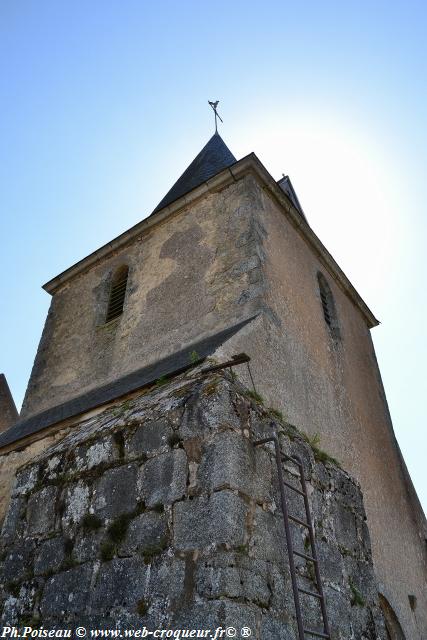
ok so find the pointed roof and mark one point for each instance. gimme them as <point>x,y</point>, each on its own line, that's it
<point>286,186</point>
<point>213,158</point>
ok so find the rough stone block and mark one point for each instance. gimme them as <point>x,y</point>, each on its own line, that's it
<point>231,461</point>
<point>50,556</point>
<point>330,561</point>
<point>67,592</point>
<point>18,562</point>
<point>120,583</point>
<point>116,492</point>
<point>22,605</point>
<point>53,467</point>
<point>209,412</point>
<point>26,480</point>
<point>202,521</point>
<point>345,529</point>
<point>217,613</point>
<point>145,532</point>
<point>268,537</point>
<point>41,511</point>
<point>100,452</point>
<point>282,599</point>
<point>274,628</point>
<point>87,546</point>
<point>168,579</point>
<point>164,478</point>
<point>232,582</point>
<point>76,499</point>
<point>148,438</point>
<point>13,524</point>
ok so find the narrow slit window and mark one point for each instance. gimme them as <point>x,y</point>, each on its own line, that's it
<point>117,293</point>
<point>328,305</point>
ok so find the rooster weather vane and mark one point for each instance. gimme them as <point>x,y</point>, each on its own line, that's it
<point>214,106</point>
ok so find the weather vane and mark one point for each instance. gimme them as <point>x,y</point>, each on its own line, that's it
<point>214,106</point>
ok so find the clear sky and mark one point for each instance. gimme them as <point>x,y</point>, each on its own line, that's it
<point>104,104</point>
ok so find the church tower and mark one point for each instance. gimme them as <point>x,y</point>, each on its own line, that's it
<point>227,263</point>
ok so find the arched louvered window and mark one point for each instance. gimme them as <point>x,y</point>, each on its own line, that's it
<point>328,305</point>
<point>117,293</point>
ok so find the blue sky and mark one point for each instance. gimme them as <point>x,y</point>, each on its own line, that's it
<point>103,104</point>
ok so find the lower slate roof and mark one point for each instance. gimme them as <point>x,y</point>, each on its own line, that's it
<point>174,364</point>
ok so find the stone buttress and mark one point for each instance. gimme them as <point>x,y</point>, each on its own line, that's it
<point>160,512</point>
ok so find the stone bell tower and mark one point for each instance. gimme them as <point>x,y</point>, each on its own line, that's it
<point>227,263</point>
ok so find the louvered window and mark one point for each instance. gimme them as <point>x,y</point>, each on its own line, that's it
<point>117,293</point>
<point>328,305</point>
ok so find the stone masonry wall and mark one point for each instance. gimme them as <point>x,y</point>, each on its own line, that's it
<point>197,274</point>
<point>161,513</point>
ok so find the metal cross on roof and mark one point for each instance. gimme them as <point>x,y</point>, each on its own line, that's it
<point>214,106</point>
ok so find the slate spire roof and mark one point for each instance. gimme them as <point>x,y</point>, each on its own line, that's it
<point>213,158</point>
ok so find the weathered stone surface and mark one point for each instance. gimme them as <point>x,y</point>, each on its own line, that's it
<point>100,452</point>
<point>148,438</point>
<point>268,540</point>
<point>67,592</point>
<point>211,412</point>
<point>18,561</point>
<point>345,529</point>
<point>120,583</point>
<point>26,480</point>
<point>76,500</point>
<point>232,462</point>
<point>164,478</point>
<point>41,511</point>
<point>116,492</point>
<point>183,537</point>
<point>273,628</point>
<point>149,531</point>
<point>233,582</point>
<point>19,608</point>
<point>217,613</point>
<point>202,521</point>
<point>13,524</point>
<point>53,468</point>
<point>50,556</point>
<point>169,580</point>
<point>87,545</point>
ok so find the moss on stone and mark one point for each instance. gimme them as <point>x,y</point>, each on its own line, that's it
<point>118,528</point>
<point>357,598</point>
<point>158,507</point>
<point>154,550</point>
<point>142,607</point>
<point>194,357</point>
<point>319,454</point>
<point>91,522</point>
<point>276,413</point>
<point>210,388</point>
<point>107,550</point>
<point>174,439</point>
<point>254,395</point>
<point>119,441</point>
<point>13,588</point>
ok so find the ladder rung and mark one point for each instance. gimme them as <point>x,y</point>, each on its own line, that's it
<point>298,521</point>
<point>286,458</point>
<point>294,488</point>
<point>310,593</point>
<point>318,634</point>
<point>305,556</point>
